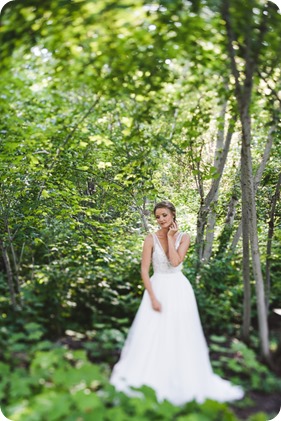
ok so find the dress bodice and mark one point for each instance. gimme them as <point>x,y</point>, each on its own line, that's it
<point>160,261</point>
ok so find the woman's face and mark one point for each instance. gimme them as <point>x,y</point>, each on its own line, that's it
<point>164,217</point>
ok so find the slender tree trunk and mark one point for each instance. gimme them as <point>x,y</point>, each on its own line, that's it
<point>246,323</point>
<point>21,253</point>
<point>209,199</point>
<point>257,180</point>
<point>229,220</point>
<point>143,213</point>
<point>144,221</point>
<point>9,274</point>
<point>243,94</point>
<point>210,230</point>
<point>236,237</point>
<point>228,226</point>
<point>211,219</point>
<point>199,242</point>
<point>269,240</point>
<point>251,209</point>
<point>227,231</point>
<point>201,223</point>
<point>14,258</point>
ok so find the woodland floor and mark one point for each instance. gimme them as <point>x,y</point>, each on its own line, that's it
<point>270,403</point>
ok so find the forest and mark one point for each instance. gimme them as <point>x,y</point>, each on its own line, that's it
<point>108,107</point>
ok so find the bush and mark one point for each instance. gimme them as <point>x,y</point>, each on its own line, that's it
<point>62,385</point>
<point>219,292</point>
<point>242,362</point>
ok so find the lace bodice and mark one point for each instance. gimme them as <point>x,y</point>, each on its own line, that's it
<point>160,261</point>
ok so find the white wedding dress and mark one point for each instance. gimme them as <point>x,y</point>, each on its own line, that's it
<point>167,350</point>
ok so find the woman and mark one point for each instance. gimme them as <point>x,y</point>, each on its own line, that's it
<point>166,348</point>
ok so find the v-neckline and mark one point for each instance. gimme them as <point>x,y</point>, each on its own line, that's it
<point>162,246</point>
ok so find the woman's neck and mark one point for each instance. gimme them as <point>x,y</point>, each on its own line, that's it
<point>164,231</point>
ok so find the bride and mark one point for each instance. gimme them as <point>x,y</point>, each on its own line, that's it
<point>165,347</point>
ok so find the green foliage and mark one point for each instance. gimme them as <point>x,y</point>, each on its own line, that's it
<point>218,285</point>
<point>260,416</point>
<point>107,107</point>
<point>243,364</point>
<point>63,385</point>
<point>20,341</point>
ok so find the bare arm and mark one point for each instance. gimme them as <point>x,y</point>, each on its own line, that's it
<point>145,265</point>
<point>177,256</point>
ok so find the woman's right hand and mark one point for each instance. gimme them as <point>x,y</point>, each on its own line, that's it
<point>156,305</point>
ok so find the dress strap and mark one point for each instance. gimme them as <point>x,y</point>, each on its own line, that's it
<point>154,236</point>
<point>156,240</point>
<point>178,240</point>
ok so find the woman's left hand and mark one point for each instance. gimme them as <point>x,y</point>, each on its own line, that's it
<point>173,229</point>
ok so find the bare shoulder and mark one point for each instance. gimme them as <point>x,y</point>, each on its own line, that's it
<point>148,239</point>
<point>148,244</point>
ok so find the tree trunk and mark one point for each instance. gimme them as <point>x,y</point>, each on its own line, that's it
<point>246,323</point>
<point>201,217</point>
<point>210,230</point>
<point>144,213</point>
<point>211,222</point>
<point>228,226</point>
<point>231,211</point>
<point>9,274</point>
<point>269,240</point>
<point>251,210</point>
<point>205,207</point>
<point>257,180</point>
<point>14,257</point>
<point>243,94</point>
<point>236,237</point>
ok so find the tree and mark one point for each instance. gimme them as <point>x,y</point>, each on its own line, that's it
<point>249,49</point>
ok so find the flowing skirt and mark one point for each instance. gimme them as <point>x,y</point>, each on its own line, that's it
<point>168,351</point>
